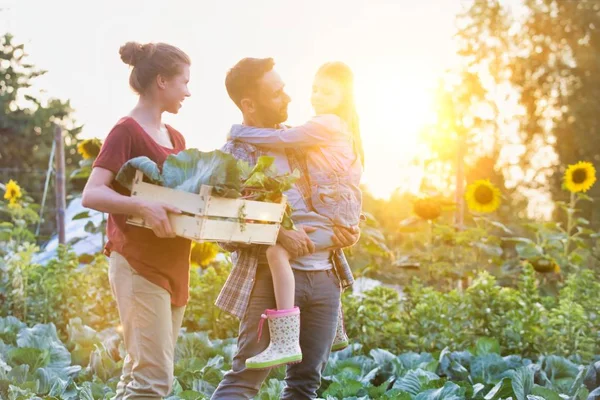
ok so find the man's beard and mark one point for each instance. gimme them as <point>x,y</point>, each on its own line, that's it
<point>271,117</point>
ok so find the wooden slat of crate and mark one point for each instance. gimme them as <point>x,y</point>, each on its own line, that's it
<point>188,202</point>
<point>258,210</point>
<point>182,225</point>
<point>232,231</point>
<point>218,230</point>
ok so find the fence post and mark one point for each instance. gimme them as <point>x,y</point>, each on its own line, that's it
<point>46,186</point>
<point>60,184</point>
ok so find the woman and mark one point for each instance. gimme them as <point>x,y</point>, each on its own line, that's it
<point>148,269</point>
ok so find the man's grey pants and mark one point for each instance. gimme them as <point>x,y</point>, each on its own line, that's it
<point>318,296</point>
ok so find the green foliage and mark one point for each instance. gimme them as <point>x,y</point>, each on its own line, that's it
<point>261,183</point>
<point>372,252</point>
<point>555,76</point>
<point>201,313</point>
<point>539,55</point>
<point>449,343</point>
<point>26,126</point>
<point>16,225</point>
<point>37,293</point>
<point>385,331</point>
<point>35,362</point>
<point>567,331</point>
<point>44,293</point>
<point>524,333</point>
<point>456,375</point>
<point>430,320</point>
<point>583,289</point>
<point>446,256</point>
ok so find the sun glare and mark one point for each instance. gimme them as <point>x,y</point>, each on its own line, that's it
<point>394,106</point>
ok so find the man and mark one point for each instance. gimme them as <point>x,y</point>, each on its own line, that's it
<point>258,91</point>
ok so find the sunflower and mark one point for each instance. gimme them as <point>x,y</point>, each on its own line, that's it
<point>204,253</point>
<point>89,148</point>
<point>544,265</point>
<point>482,196</point>
<point>427,208</point>
<point>13,192</point>
<point>580,177</point>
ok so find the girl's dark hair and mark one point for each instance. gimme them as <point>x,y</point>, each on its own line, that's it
<point>342,74</point>
<point>150,60</point>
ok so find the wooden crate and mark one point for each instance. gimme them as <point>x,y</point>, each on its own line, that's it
<point>204,216</point>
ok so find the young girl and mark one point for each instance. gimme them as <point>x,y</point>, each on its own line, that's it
<point>148,269</point>
<point>334,157</point>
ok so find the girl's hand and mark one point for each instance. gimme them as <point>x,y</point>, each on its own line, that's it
<point>345,237</point>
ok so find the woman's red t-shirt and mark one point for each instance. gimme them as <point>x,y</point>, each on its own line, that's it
<point>163,261</point>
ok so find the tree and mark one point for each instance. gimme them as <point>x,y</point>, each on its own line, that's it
<point>469,128</point>
<point>538,70</point>
<point>557,74</point>
<point>26,127</point>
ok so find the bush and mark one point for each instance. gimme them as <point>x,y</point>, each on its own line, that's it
<point>58,291</point>
<point>65,289</point>
<point>201,312</point>
<point>428,320</point>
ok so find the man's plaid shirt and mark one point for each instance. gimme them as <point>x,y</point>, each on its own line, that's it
<point>235,295</point>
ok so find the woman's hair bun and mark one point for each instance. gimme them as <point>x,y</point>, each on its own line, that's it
<point>132,52</point>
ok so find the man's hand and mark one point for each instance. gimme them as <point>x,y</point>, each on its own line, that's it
<point>345,237</point>
<point>156,216</point>
<point>297,243</point>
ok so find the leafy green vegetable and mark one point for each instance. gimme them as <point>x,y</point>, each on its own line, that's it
<point>39,367</point>
<point>190,169</point>
<point>9,327</point>
<point>450,391</point>
<point>487,346</point>
<point>126,174</point>
<point>44,337</point>
<point>522,383</point>
<point>501,390</point>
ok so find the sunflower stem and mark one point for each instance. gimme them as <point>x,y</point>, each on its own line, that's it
<point>25,298</point>
<point>430,224</point>
<point>570,214</point>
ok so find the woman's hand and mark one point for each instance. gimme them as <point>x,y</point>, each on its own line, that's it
<point>156,216</point>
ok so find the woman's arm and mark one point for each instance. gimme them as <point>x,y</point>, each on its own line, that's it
<point>98,195</point>
<point>320,130</point>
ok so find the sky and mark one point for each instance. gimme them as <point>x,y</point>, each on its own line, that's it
<point>398,49</point>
